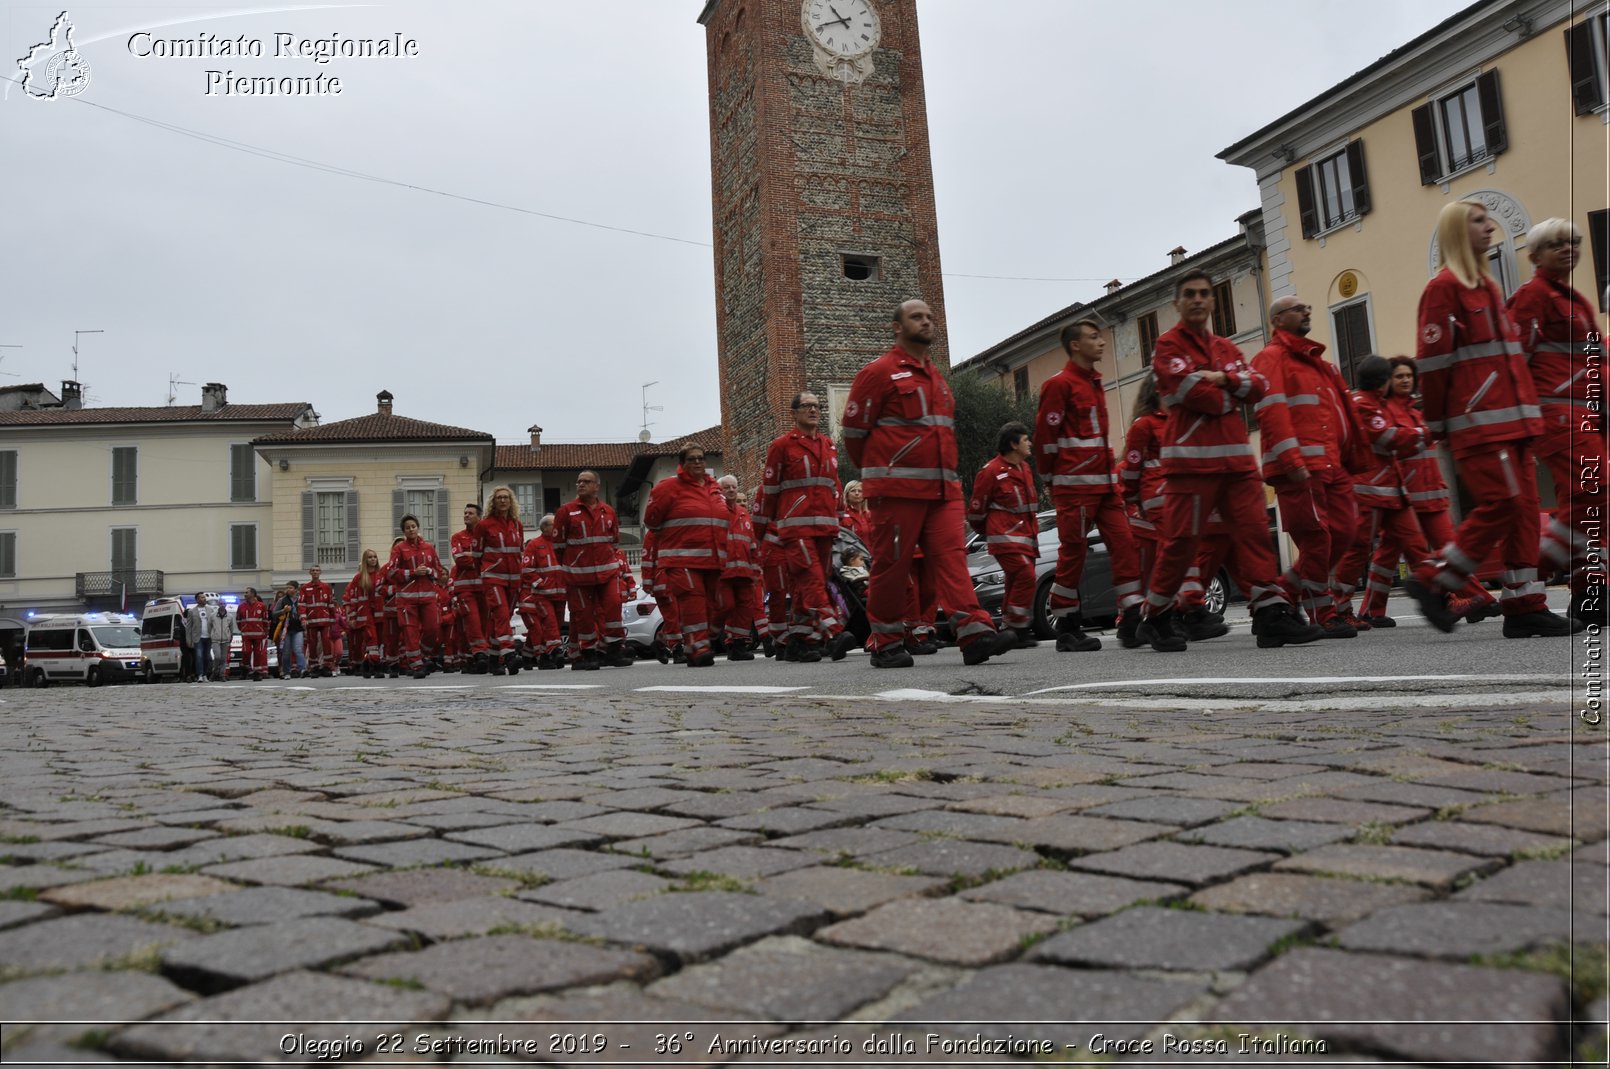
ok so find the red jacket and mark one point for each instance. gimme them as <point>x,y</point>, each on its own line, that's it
<point>408,557</point>
<point>465,546</point>
<point>585,539</point>
<point>1561,337</point>
<point>1070,435</point>
<point>1383,484</point>
<point>1205,434</point>
<point>743,555</point>
<point>799,493</point>
<point>1005,510</point>
<point>858,522</point>
<point>363,610</point>
<point>314,600</point>
<point>251,617</point>
<point>1143,468</point>
<point>1473,375</point>
<point>502,541</point>
<point>1422,471</point>
<point>1306,418</point>
<point>900,429</point>
<point>689,520</point>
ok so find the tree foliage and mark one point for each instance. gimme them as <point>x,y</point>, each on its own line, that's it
<point>982,409</point>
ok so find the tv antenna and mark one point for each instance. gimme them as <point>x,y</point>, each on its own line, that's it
<point>76,334</point>
<point>174,382</point>
<point>3,356</point>
<point>643,435</point>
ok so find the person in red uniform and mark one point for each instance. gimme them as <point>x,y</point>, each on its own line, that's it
<point>1311,443</point>
<point>538,568</point>
<point>855,516</point>
<point>467,589</point>
<point>251,617</point>
<point>798,502</point>
<point>688,516</point>
<point>1208,464</point>
<point>740,578</point>
<point>315,602</point>
<point>899,430</point>
<point>668,640</point>
<point>415,567</point>
<point>552,588</point>
<point>501,538</point>
<point>1142,474</point>
<point>586,532</point>
<point>1072,452</point>
<point>364,600</point>
<point>1479,398</point>
<point>1565,352</point>
<point>1005,509</point>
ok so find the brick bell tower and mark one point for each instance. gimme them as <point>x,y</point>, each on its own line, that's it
<point>823,202</point>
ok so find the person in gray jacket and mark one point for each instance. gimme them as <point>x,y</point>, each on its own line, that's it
<point>200,625</point>
<point>223,638</point>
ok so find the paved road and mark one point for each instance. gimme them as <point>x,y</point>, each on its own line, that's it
<point>899,881</point>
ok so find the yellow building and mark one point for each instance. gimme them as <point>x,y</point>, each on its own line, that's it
<point>102,507</point>
<point>344,487</point>
<point>1505,103</point>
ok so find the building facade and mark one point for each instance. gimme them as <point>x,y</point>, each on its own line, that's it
<point>1505,103</point>
<point>823,200</point>
<point>103,508</point>
<point>344,487</point>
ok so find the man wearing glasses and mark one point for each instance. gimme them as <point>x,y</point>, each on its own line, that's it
<point>586,533</point>
<point>798,504</point>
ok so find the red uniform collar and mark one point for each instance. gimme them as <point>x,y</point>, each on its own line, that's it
<point>1089,375</point>
<point>902,357</point>
<point>1298,345</point>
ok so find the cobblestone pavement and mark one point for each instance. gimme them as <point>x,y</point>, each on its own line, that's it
<point>236,875</point>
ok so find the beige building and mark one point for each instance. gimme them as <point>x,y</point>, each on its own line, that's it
<point>99,503</point>
<point>1134,316</point>
<point>1506,103</point>
<point>344,487</point>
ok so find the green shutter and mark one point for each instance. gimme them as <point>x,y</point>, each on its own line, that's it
<point>354,552</point>
<point>310,529</point>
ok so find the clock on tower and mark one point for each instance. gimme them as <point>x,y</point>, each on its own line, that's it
<point>823,202</point>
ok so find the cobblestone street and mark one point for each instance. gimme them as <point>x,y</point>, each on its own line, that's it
<point>418,875</point>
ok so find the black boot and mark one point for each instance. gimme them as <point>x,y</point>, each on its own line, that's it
<point>1279,625</point>
<point>1541,624</point>
<point>616,655</point>
<point>1128,623</point>
<point>1198,625</point>
<point>1071,637</point>
<point>1025,639</point>
<point>511,661</point>
<point>1159,631</point>
<point>842,644</point>
<point>768,647</point>
<point>739,651</point>
<point>984,647</point>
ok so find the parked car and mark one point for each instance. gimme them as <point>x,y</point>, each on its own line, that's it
<point>643,621</point>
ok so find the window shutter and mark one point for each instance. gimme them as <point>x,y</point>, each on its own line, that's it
<point>444,525</point>
<point>354,553</point>
<point>1425,145</point>
<point>8,479</point>
<point>399,505</point>
<point>1306,210</point>
<point>310,529</point>
<point>1492,113</point>
<point>1360,179</point>
<point>1585,95</point>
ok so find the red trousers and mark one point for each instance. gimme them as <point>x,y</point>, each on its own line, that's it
<point>1188,500</point>
<point>774,576</point>
<point>320,650</point>
<point>595,615</point>
<point>419,619</point>
<point>696,592</point>
<point>809,561</point>
<point>1321,516</point>
<point>498,610</point>
<point>1146,549</point>
<point>391,633</point>
<point>741,604</point>
<point>1383,536</point>
<point>670,619</point>
<point>1211,553</point>
<point>253,653</point>
<point>922,600</point>
<point>541,625</point>
<point>1503,480</point>
<point>899,526</point>
<point>1576,460</point>
<point>365,640</point>
<point>473,598</point>
<point>1019,600</point>
<point>1075,517</point>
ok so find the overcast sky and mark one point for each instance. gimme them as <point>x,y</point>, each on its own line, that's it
<point>1072,141</point>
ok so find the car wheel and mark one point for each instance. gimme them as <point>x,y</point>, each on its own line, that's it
<point>1216,595</point>
<point>92,675</point>
<point>1043,628</point>
<point>36,678</point>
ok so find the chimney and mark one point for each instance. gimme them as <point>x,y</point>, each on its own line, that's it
<point>383,402</point>
<point>536,436</point>
<point>214,396</point>
<point>72,394</point>
<point>1114,286</point>
<point>1176,255</point>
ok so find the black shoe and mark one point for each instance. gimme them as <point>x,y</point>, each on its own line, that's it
<point>739,651</point>
<point>586,661</point>
<point>1199,625</point>
<point>511,662</point>
<point>257,677</point>
<point>1025,639</point>
<point>1433,602</point>
<point>679,655</point>
<point>842,644</point>
<point>706,659</point>
<point>807,653</point>
<point>1159,631</point>
<point>984,647</point>
<point>1279,625</point>
<point>392,671</point>
<point>1379,622</point>
<point>1128,624</point>
<point>1336,627</point>
<point>768,647</point>
<point>550,661</point>
<point>922,647</point>
<point>481,664</point>
<point>498,669</point>
<point>662,652</point>
<point>1071,637</point>
<point>422,672</point>
<point>718,644</point>
<point>616,655</point>
<point>1541,624</point>
<point>892,657</point>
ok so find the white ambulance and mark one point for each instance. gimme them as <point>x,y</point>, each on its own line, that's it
<point>161,628</point>
<point>92,648</point>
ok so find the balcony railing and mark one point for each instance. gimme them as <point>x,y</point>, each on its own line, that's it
<point>115,584</point>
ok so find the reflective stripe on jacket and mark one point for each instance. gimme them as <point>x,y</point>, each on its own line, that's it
<point>899,429</point>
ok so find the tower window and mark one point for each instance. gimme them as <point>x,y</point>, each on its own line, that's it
<point>861,267</point>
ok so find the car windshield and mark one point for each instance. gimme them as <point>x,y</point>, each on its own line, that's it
<point>117,638</point>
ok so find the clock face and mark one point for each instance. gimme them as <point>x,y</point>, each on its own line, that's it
<point>842,28</point>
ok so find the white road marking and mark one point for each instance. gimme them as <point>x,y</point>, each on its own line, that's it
<point>1341,702</point>
<point>722,690</point>
<point>911,694</point>
<point>1211,680</point>
<point>550,686</point>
